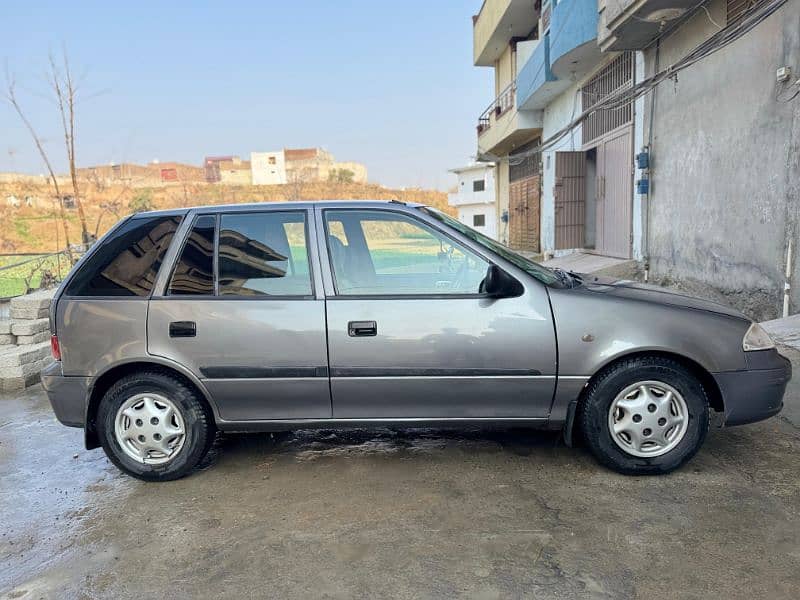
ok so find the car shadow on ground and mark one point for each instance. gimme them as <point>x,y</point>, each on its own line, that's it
<point>311,444</point>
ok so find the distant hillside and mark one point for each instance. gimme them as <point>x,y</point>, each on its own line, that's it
<point>31,226</point>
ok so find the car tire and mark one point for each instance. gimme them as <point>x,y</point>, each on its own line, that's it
<point>626,433</point>
<point>182,409</point>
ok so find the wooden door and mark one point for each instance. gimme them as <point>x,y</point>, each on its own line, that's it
<point>523,214</point>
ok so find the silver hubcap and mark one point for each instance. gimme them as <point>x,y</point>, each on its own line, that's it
<point>149,428</point>
<point>648,418</point>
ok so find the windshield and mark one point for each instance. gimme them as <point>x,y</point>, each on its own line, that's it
<point>541,273</point>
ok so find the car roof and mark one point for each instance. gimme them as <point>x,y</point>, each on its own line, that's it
<point>305,204</point>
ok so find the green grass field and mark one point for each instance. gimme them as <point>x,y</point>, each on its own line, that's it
<point>12,281</point>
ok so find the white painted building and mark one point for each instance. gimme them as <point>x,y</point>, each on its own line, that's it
<point>475,197</point>
<point>268,168</point>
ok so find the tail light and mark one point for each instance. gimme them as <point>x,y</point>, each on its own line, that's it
<point>54,347</point>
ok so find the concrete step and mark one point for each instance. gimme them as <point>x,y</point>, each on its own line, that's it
<point>20,366</point>
<point>29,327</point>
<point>16,332</point>
<point>13,356</point>
<point>31,306</point>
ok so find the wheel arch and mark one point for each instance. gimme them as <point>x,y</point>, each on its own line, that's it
<point>706,379</point>
<point>107,378</point>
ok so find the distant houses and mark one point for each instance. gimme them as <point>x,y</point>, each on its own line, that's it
<point>474,197</point>
<point>263,168</point>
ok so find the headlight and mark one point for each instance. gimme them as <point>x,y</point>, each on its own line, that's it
<point>757,339</point>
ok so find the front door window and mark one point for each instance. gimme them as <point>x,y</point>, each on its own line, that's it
<point>390,254</point>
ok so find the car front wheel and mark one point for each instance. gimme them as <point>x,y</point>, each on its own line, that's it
<point>645,416</point>
<point>154,427</point>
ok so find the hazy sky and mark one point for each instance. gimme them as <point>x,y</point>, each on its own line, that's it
<point>389,84</point>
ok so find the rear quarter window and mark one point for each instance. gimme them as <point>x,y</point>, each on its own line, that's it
<point>127,263</point>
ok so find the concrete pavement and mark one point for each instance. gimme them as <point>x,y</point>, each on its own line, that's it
<point>400,514</point>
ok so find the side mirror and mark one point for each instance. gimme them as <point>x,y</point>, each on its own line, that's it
<point>499,284</point>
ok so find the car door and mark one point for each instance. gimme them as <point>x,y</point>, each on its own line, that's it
<point>242,311</point>
<point>410,335</point>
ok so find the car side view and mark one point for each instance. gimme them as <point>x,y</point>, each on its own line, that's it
<point>271,317</point>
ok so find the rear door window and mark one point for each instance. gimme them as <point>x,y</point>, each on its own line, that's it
<point>253,255</point>
<point>263,254</point>
<point>128,262</point>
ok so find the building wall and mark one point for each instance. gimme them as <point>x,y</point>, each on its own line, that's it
<point>470,203</point>
<point>465,193</point>
<point>268,168</point>
<point>503,71</point>
<point>726,164</point>
<point>557,114</point>
<point>236,172</point>
<point>466,213</point>
<point>501,197</point>
<point>359,171</point>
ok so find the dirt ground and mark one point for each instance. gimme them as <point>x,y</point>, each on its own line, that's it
<point>399,514</point>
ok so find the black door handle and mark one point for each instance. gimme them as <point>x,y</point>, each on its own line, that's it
<point>182,329</point>
<point>362,328</point>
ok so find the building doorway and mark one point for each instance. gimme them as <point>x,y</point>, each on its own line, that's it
<point>593,193</point>
<point>524,192</point>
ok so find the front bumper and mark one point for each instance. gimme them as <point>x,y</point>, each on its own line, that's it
<point>67,395</point>
<point>756,393</point>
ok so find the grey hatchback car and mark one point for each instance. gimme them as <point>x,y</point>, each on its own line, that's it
<point>271,317</point>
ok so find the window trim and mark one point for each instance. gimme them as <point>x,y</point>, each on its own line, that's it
<point>433,296</point>
<point>218,223</point>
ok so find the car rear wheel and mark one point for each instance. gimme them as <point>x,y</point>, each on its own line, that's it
<point>645,416</point>
<point>154,427</point>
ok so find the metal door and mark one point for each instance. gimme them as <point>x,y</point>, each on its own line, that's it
<point>260,356</point>
<point>436,355</point>
<point>614,194</point>
<point>570,199</point>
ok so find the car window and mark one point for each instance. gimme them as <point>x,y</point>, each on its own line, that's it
<point>194,271</point>
<point>126,264</point>
<point>263,254</point>
<point>386,253</point>
<point>543,274</point>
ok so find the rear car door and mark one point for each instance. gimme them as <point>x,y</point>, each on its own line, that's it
<point>411,336</point>
<point>241,309</point>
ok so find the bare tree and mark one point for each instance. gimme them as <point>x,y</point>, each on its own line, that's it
<point>65,89</point>
<point>296,179</point>
<point>10,95</point>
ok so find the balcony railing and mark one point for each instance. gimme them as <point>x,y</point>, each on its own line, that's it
<point>501,105</point>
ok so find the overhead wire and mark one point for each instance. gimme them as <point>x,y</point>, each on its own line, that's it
<point>620,98</point>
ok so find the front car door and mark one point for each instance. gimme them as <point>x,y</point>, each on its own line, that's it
<point>410,335</point>
<point>242,310</point>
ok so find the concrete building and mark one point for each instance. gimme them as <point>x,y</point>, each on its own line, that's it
<point>724,153</point>
<point>699,207</point>
<point>317,164</point>
<point>153,174</point>
<point>474,197</point>
<point>575,194</point>
<point>235,171</point>
<point>303,165</point>
<point>268,168</point>
<point>505,34</point>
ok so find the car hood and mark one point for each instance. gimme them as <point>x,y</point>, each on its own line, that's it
<point>634,290</point>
